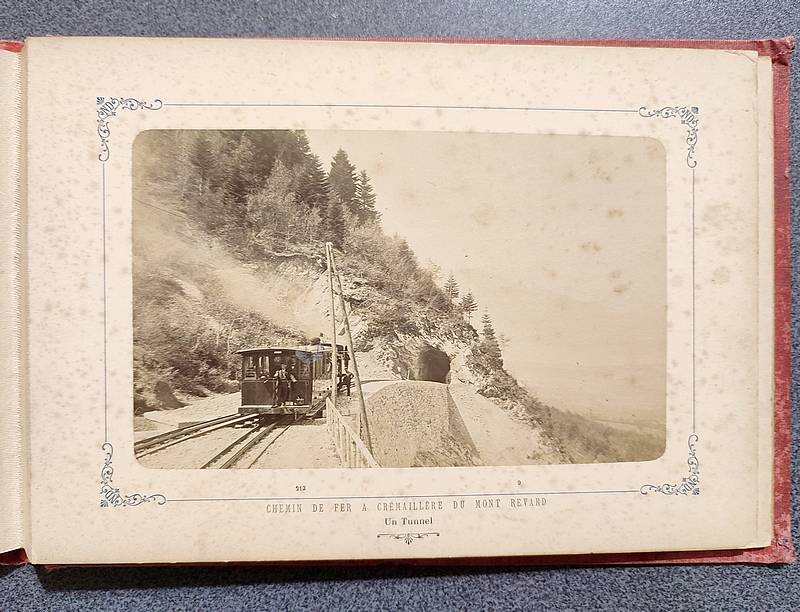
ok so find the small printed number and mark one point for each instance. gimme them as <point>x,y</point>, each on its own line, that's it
<point>300,488</point>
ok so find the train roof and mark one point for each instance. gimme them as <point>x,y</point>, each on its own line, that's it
<point>309,348</point>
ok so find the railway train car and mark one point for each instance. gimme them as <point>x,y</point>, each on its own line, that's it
<point>309,368</point>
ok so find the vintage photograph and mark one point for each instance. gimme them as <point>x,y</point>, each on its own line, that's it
<point>330,299</point>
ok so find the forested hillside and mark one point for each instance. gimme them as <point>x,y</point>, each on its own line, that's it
<point>229,233</point>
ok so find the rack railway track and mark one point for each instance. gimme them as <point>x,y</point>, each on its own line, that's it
<point>154,444</point>
<point>237,450</point>
<point>243,447</point>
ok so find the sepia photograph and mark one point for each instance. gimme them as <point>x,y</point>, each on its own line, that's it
<point>342,298</point>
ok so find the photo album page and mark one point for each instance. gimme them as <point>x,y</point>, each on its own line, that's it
<point>331,300</point>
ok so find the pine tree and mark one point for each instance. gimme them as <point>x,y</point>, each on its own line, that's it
<point>293,148</point>
<point>240,172</point>
<point>490,344</point>
<point>342,180</point>
<point>202,158</point>
<point>469,305</point>
<point>365,199</point>
<point>451,288</point>
<point>486,323</point>
<point>302,143</point>
<point>313,188</point>
<point>335,222</point>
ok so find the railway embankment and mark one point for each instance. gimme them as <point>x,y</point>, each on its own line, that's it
<point>500,438</point>
<point>428,424</point>
<point>416,423</point>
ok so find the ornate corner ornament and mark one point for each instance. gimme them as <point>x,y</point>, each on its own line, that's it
<point>408,538</point>
<point>110,497</point>
<point>688,485</point>
<point>688,117</point>
<point>107,108</point>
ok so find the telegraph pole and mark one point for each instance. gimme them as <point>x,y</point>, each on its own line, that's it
<point>364,424</point>
<point>334,359</point>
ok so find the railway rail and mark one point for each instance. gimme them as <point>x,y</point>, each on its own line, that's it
<point>154,444</point>
<point>287,385</point>
<point>236,451</point>
<point>244,447</point>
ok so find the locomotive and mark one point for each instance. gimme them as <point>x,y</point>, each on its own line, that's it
<point>309,370</point>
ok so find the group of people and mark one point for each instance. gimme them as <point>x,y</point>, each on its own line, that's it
<point>284,379</point>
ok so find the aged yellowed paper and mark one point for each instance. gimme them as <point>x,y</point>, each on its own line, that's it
<point>606,205</point>
<point>12,453</point>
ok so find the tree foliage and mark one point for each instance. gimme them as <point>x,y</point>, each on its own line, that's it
<point>365,199</point>
<point>451,288</point>
<point>490,343</point>
<point>262,197</point>
<point>468,305</point>
<point>240,175</point>
<point>335,222</point>
<point>275,216</point>
<point>313,189</point>
<point>202,158</point>
<point>342,180</point>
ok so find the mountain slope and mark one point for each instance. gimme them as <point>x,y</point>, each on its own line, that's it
<point>229,234</point>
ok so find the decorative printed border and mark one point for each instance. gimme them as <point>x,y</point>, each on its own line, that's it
<point>110,497</point>
<point>689,484</point>
<point>688,117</point>
<point>107,108</point>
<point>408,538</point>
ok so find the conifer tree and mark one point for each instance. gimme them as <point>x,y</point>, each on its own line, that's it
<point>240,171</point>
<point>342,180</point>
<point>469,305</point>
<point>451,288</point>
<point>335,222</point>
<point>302,143</point>
<point>313,188</point>
<point>491,346</point>
<point>202,158</point>
<point>365,199</point>
<point>486,323</point>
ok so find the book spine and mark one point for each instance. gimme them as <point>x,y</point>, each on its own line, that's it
<point>12,183</point>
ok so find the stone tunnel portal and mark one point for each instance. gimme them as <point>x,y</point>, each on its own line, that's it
<point>433,365</point>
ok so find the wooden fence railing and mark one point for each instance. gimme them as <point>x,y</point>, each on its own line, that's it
<point>351,449</point>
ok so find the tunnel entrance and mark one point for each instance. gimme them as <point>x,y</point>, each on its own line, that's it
<point>433,365</point>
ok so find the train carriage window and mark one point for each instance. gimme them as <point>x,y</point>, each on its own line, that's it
<point>249,367</point>
<point>263,365</point>
<point>304,367</point>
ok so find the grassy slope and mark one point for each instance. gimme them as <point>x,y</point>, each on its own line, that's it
<point>185,325</point>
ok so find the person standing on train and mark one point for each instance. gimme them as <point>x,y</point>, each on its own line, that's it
<point>345,380</point>
<point>283,378</point>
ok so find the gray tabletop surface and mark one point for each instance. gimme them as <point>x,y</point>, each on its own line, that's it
<point>392,587</point>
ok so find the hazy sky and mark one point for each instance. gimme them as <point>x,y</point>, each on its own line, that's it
<point>560,237</point>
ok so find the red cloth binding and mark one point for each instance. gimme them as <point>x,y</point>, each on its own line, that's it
<point>14,46</point>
